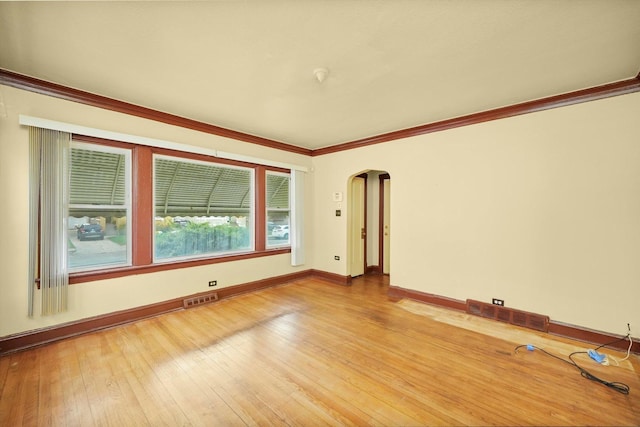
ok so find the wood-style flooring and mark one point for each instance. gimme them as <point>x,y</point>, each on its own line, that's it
<point>310,353</point>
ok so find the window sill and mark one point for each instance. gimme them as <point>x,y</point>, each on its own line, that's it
<point>94,275</point>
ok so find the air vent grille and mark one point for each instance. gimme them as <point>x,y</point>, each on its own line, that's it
<point>535,321</point>
<point>488,311</point>
<point>474,307</point>
<point>504,314</point>
<point>201,299</point>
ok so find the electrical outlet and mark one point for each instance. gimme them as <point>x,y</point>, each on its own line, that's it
<point>213,283</point>
<point>337,257</point>
<point>496,301</point>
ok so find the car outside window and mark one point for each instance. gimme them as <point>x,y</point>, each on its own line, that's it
<point>99,207</point>
<point>278,211</point>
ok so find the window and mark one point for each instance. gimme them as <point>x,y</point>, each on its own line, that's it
<point>201,208</point>
<point>278,212</point>
<point>129,208</point>
<point>99,207</point>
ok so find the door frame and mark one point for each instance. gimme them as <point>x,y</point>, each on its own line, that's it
<point>381,218</point>
<point>352,231</point>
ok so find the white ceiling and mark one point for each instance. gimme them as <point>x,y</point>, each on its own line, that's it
<point>393,64</point>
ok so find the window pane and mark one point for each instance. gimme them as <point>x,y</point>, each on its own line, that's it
<point>98,207</point>
<point>97,238</point>
<point>277,194</point>
<point>97,178</point>
<point>277,191</point>
<point>201,208</point>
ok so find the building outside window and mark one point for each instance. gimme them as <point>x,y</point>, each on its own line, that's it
<point>99,207</point>
<point>278,210</point>
<point>184,208</point>
<point>201,209</point>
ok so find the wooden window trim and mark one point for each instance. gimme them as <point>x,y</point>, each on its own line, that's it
<point>142,214</point>
<point>142,206</point>
<point>90,276</point>
<point>260,227</point>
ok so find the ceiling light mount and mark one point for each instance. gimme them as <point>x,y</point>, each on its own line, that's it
<point>320,74</point>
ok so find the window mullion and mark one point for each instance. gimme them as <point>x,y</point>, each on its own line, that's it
<point>142,209</point>
<point>261,208</point>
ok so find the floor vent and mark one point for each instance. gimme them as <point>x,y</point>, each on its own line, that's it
<point>199,300</point>
<point>508,315</point>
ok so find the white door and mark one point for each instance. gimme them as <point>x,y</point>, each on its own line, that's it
<point>357,234</point>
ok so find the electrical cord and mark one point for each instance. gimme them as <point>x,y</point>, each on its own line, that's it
<point>618,340</point>
<point>617,386</point>
<point>628,351</point>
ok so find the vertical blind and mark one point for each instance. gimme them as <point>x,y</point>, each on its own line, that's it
<point>48,198</point>
<point>297,217</point>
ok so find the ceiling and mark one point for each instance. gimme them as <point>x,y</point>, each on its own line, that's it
<point>248,65</point>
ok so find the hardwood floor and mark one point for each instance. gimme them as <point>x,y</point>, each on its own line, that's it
<point>311,353</point>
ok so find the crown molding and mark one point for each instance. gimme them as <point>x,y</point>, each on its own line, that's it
<point>585,95</point>
<point>42,87</point>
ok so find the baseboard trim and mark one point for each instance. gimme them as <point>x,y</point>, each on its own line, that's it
<point>555,328</point>
<point>37,337</point>
<point>34,338</point>
<point>331,277</point>
<point>591,336</point>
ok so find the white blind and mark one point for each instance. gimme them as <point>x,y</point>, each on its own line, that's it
<point>297,217</point>
<point>49,195</point>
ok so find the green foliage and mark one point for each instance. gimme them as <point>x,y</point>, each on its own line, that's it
<point>119,239</point>
<point>176,240</point>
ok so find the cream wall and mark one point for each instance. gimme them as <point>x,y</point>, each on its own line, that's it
<point>541,210</point>
<point>95,298</point>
